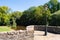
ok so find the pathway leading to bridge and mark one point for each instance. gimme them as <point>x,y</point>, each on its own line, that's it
<point>39,35</point>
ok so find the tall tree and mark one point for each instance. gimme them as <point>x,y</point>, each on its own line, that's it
<point>55,21</point>
<point>4,17</point>
<point>53,5</point>
<point>4,9</point>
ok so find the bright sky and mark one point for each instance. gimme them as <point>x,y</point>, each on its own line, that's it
<point>22,4</point>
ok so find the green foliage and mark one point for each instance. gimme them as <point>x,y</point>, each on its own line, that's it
<point>54,2</point>
<point>55,19</point>
<point>16,14</point>
<point>14,23</point>
<point>53,5</point>
<point>4,9</point>
<point>4,16</point>
<point>32,16</point>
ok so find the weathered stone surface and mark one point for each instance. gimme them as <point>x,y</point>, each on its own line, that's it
<point>16,35</point>
<point>55,29</point>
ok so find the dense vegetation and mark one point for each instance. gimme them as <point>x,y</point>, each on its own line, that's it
<point>32,16</point>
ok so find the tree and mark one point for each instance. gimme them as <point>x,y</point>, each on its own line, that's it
<point>14,23</point>
<point>55,21</point>
<point>4,9</point>
<point>27,16</point>
<point>16,15</point>
<point>53,5</point>
<point>34,16</point>
<point>54,2</point>
<point>4,17</point>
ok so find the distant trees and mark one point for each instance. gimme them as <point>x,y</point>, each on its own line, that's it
<point>14,17</point>
<point>4,9</point>
<point>32,16</point>
<point>55,18</point>
<point>53,5</point>
<point>28,16</point>
<point>4,16</point>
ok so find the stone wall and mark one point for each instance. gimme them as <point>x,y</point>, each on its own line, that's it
<point>54,29</point>
<point>16,35</point>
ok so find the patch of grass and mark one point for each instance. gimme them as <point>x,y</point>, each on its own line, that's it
<point>5,29</point>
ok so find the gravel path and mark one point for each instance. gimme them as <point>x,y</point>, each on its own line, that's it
<point>38,35</point>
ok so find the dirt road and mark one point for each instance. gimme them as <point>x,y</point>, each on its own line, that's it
<point>39,35</point>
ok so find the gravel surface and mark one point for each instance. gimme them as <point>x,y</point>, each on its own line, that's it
<point>17,35</point>
<point>39,35</point>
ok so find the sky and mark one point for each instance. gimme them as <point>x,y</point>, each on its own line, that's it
<point>21,5</point>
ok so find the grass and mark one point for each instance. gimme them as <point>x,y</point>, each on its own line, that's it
<point>5,29</point>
